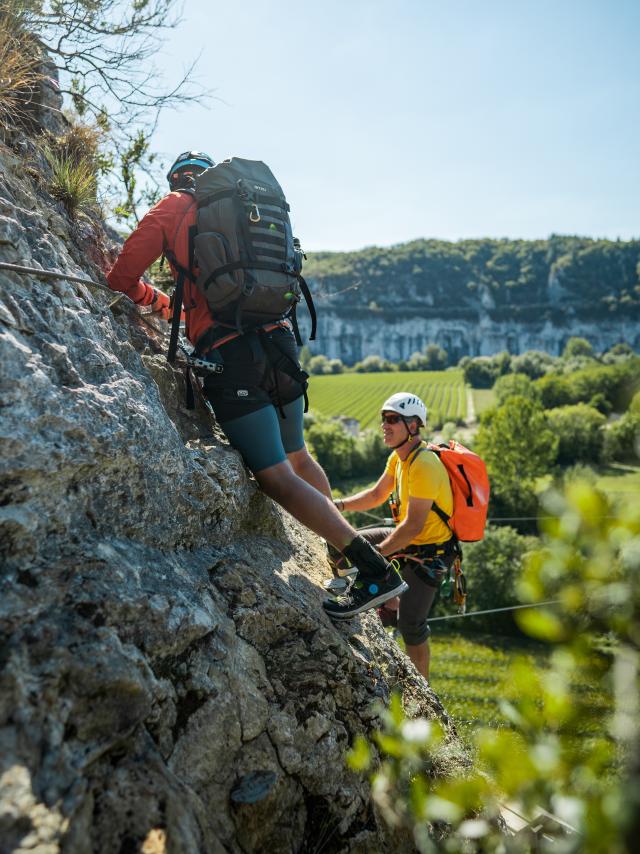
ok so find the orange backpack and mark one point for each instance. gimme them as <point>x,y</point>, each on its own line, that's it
<point>470,487</point>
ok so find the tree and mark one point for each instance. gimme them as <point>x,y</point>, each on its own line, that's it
<point>579,430</point>
<point>479,373</point>
<point>618,353</point>
<point>416,362</point>
<point>533,363</point>
<point>511,385</point>
<point>335,366</point>
<point>373,364</point>
<point>576,347</point>
<point>305,357</point>
<point>318,365</point>
<point>517,445</point>
<point>555,390</point>
<point>622,439</point>
<point>436,357</point>
<point>104,54</point>
<point>332,447</point>
<point>492,568</point>
<point>515,441</point>
<point>482,371</point>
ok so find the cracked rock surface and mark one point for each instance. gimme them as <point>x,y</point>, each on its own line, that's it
<point>168,680</point>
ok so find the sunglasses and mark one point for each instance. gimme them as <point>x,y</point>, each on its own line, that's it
<point>390,419</point>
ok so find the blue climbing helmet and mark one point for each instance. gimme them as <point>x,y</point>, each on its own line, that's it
<point>186,166</point>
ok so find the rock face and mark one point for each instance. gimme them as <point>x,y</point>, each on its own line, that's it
<point>352,333</point>
<point>168,680</point>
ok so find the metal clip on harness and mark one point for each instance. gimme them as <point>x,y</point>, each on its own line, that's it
<point>198,365</point>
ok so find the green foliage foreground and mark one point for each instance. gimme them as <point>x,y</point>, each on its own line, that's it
<point>591,564</point>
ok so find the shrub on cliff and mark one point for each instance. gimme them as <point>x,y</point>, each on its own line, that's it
<point>20,65</point>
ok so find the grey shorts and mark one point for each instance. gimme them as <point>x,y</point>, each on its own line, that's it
<point>424,585</point>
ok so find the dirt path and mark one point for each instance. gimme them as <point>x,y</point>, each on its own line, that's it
<point>471,409</point>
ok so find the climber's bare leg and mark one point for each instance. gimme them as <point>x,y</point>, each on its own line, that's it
<point>306,503</point>
<point>308,469</point>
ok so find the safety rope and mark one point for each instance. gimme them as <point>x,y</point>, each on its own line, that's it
<point>388,521</point>
<point>54,274</point>
<point>494,610</point>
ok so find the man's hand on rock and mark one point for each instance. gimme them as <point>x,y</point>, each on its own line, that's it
<point>160,304</point>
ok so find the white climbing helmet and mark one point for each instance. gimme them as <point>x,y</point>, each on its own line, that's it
<point>406,404</point>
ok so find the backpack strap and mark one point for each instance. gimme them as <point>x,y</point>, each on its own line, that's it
<point>233,193</point>
<point>178,293</point>
<point>175,320</point>
<point>437,510</point>
<point>304,287</point>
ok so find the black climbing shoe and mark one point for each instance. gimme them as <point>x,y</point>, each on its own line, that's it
<point>366,557</point>
<point>366,593</point>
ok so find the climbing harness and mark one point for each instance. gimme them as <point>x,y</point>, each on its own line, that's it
<point>454,586</point>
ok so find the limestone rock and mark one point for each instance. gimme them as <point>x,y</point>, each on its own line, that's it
<point>168,679</point>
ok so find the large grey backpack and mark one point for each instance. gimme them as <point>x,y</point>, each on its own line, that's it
<point>249,264</point>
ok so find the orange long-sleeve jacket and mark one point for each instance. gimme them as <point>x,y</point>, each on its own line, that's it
<point>164,229</point>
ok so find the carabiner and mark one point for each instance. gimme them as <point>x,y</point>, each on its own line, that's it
<point>254,217</point>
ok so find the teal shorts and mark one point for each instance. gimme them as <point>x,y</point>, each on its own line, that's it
<point>258,398</point>
<point>264,437</point>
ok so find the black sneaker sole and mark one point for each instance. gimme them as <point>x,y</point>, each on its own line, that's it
<point>346,614</point>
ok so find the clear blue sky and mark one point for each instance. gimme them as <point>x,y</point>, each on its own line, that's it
<point>388,121</point>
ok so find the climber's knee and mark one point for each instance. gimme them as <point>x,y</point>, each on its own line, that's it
<point>277,480</point>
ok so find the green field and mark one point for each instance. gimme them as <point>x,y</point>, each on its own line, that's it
<point>483,399</point>
<point>361,395</point>
<point>619,481</point>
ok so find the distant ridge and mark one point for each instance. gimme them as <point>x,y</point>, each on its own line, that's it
<point>592,275</point>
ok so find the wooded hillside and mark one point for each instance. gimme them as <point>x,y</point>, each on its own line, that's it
<point>590,275</point>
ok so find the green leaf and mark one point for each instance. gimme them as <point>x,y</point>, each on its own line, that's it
<point>541,624</point>
<point>359,757</point>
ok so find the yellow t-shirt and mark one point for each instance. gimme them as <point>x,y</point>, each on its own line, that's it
<point>425,477</point>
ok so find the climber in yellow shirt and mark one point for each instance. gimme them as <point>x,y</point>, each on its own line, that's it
<point>421,541</point>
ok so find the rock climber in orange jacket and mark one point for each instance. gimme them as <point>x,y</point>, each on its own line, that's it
<point>265,421</point>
